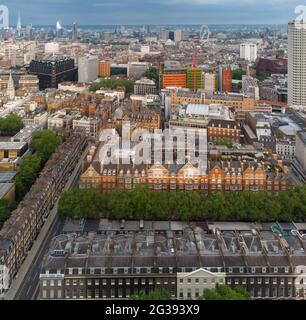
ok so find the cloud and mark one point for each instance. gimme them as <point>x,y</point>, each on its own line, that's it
<point>152,11</point>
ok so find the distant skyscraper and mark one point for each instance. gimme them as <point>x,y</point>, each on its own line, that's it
<point>178,35</point>
<point>59,29</point>
<point>19,22</point>
<point>164,36</point>
<point>248,51</point>
<point>296,63</point>
<point>171,35</point>
<point>75,32</point>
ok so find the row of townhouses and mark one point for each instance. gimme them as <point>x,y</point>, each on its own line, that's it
<point>19,232</point>
<point>122,258</point>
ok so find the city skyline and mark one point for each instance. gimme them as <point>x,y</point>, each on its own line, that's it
<point>134,12</point>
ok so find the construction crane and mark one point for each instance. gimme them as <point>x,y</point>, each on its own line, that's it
<point>194,65</point>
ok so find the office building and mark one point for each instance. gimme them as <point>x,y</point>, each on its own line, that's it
<point>88,69</point>
<point>210,82</point>
<point>144,87</point>
<point>52,71</point>
<point>299,163</point>
<point>296,61</point>
<point>136,70</point>
<point>194,78</point>
<point>173,75</point>
<point>225,79</point>
<point>250,87</point>
<point>74,32</point>
<point>164,36</point>
<point>104,69</point>
<point>119,69</point>
<point>178,35</point>
<point>248,51</point>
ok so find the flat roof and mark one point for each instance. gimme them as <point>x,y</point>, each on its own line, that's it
<point>198,109</point>
<point>7,176</point>
<point>5,188</point>
<point>12,145</point>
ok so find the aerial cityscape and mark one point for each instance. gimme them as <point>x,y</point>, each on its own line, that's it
<point>153,151</point>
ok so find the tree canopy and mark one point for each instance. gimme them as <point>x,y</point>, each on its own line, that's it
<point>142,203</point>
<point>224,142</point>
<point>44,144</point>
<point>113,84</point>
<point>11,124</point>
<point>237,74</point>
<point>153,74</point>
<point>224,292</point>
<point>4,211</point>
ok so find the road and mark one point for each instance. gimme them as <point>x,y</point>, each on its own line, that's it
<point>29,287</point>
<point>295,179</point>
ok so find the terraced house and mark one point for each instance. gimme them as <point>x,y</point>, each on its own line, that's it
<point>115,259</point>
<point>19,232</point>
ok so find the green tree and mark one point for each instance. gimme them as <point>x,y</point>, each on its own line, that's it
<point>4,211</point>
<point>262,76</point>
<point>237,74</point>
<point>224,142</point>
<point>156,294</point>
<point>29,170</point>
<point>11,124</point>
<point>153,74</point>
<point>224,292</point>
<point>141,203</point>
<point>44,144</point>
<point>113,84</point>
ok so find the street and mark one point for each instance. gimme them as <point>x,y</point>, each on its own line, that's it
<point>29,287</point>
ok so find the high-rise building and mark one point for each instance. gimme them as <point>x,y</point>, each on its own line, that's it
<point>171,35</point>
<point>296,63</point>
<point>164,35</point>
<point>225,79</point>
<point>74,32</point>
<point>104,69</point>
<point>173,75</point>
<point>88,69</point>
<point>19,23</point>
<point>194,78</point>
<point>53,70</point>
<point>178,35</point>
<point>210,82</point>
<point>248,51</point>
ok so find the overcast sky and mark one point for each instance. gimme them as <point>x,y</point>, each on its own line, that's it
<point>100,12</point>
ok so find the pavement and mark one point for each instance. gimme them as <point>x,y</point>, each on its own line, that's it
<point>25,285</point>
